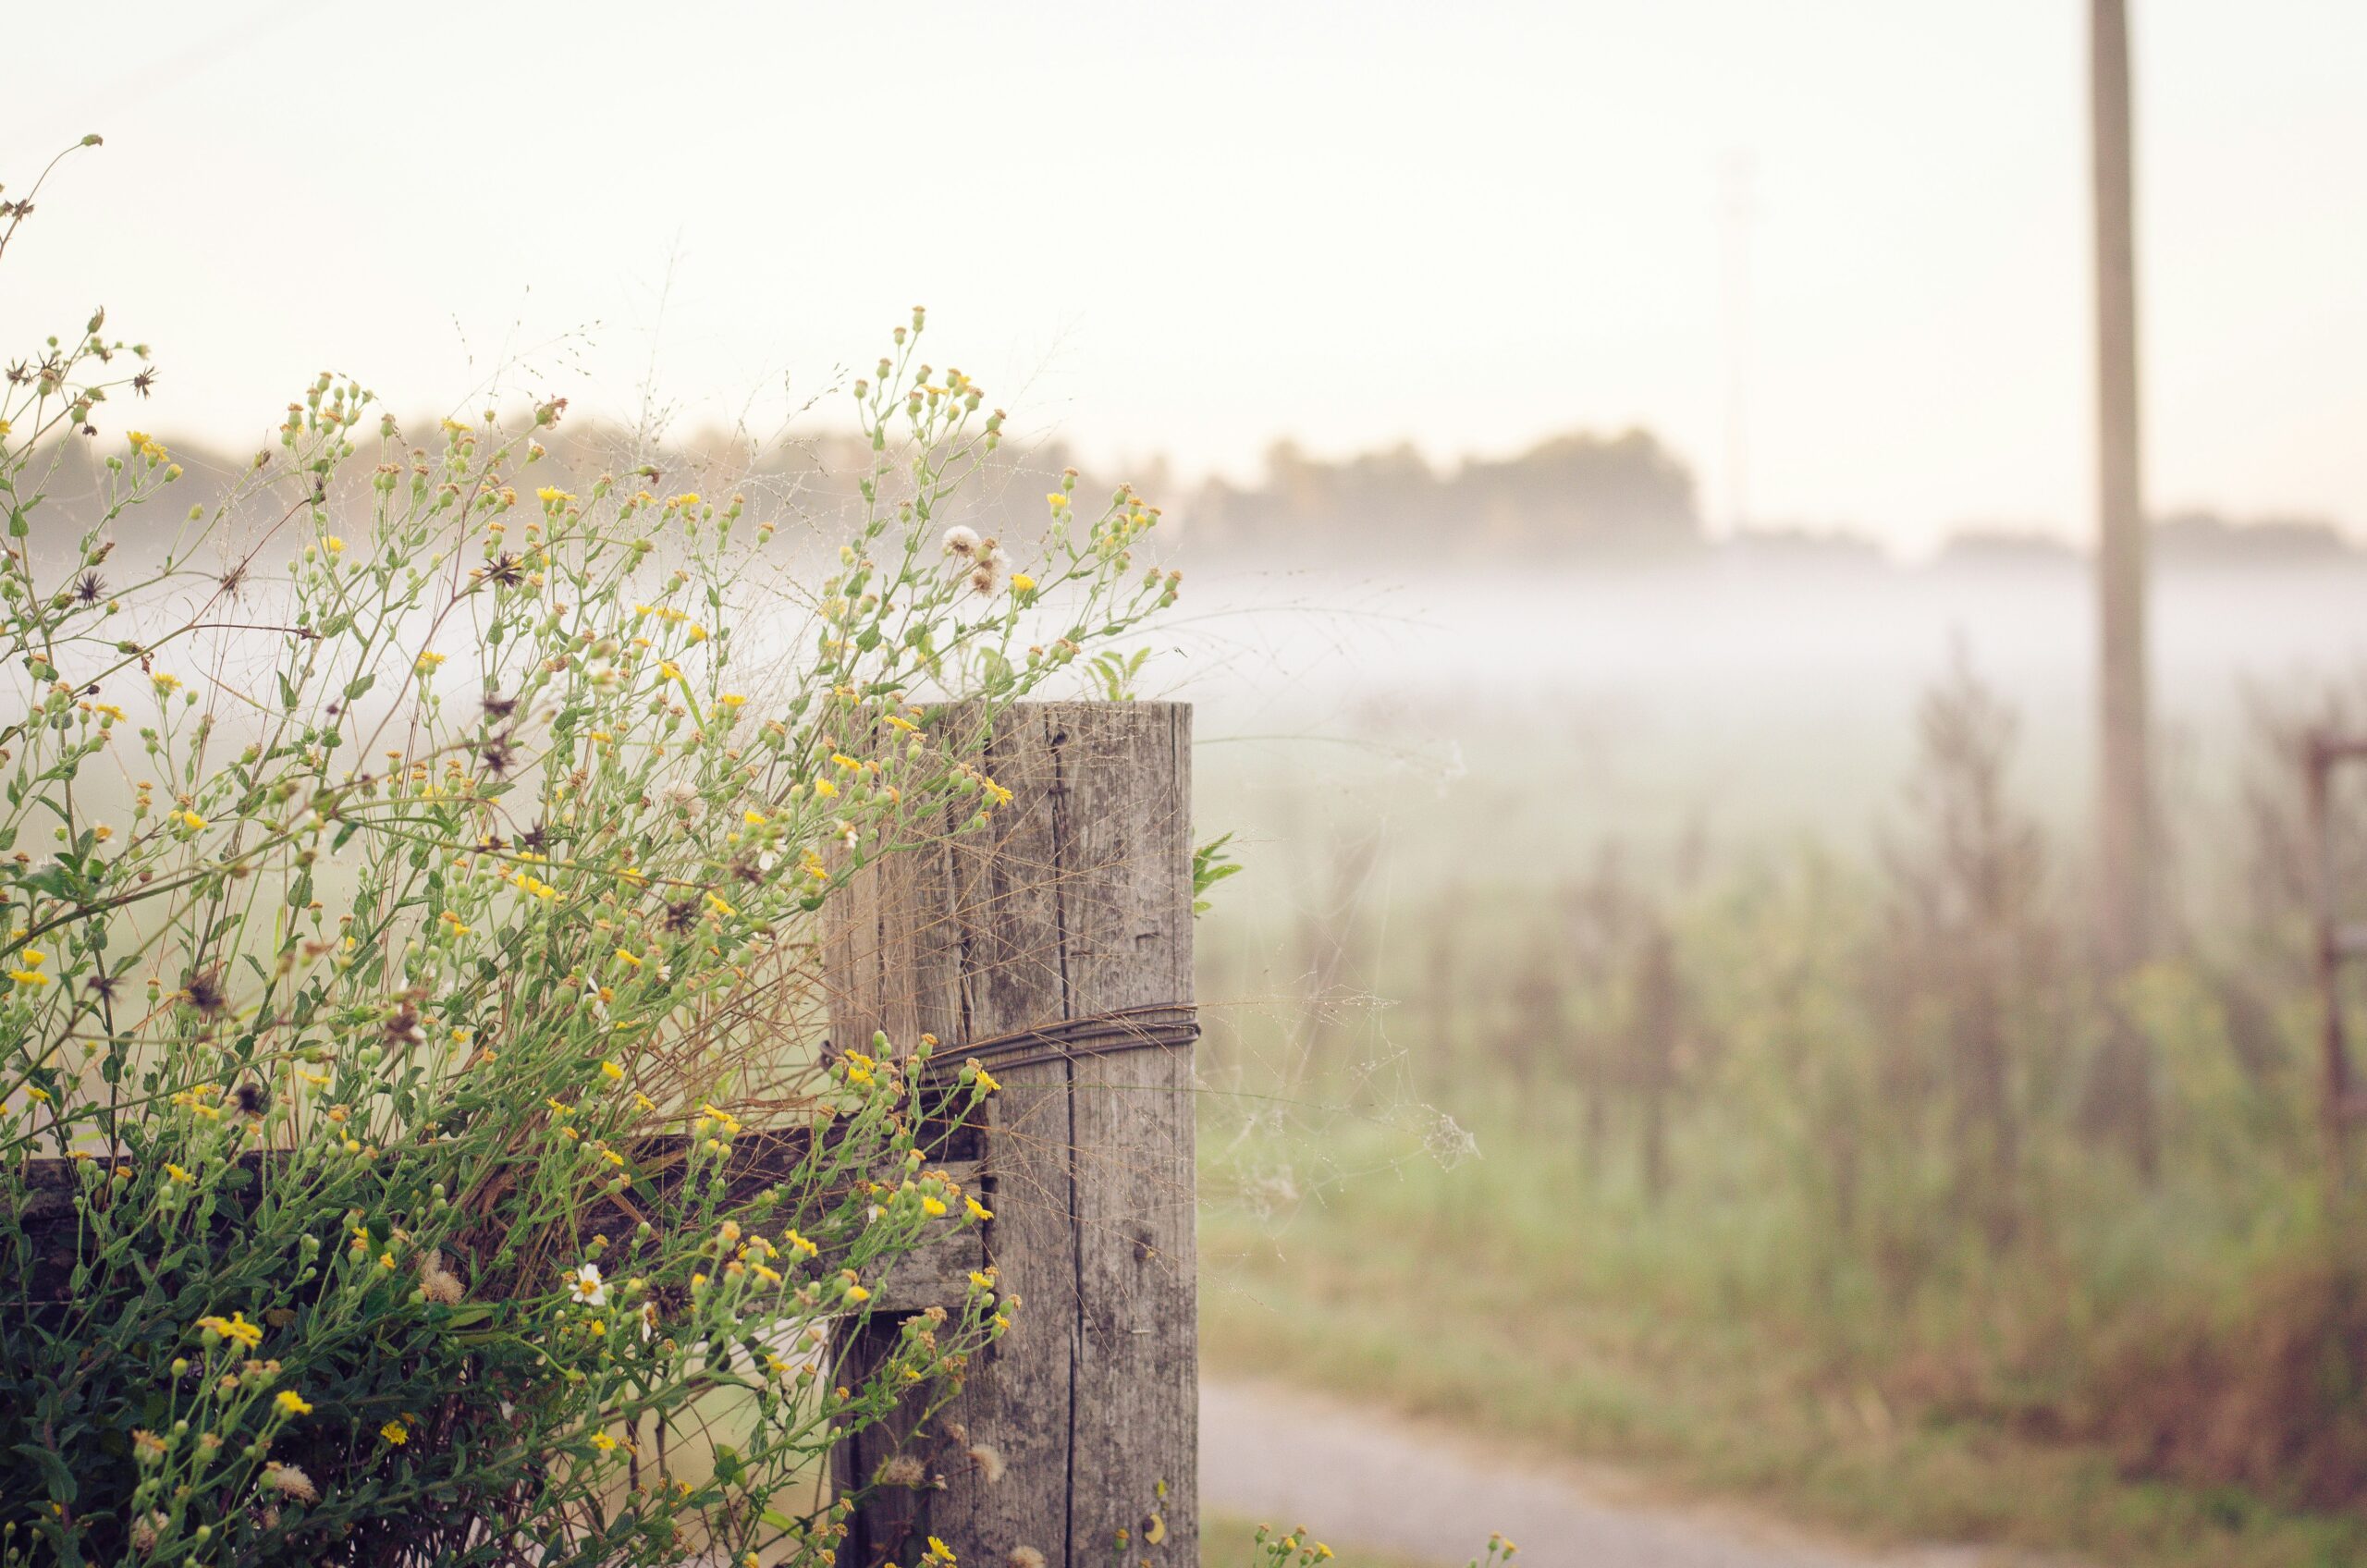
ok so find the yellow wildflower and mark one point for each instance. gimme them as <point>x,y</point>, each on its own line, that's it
<point>235,1329</point>
<point>290,1403</point>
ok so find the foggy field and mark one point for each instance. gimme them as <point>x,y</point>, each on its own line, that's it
<point>1481,717</point>
<point>1599,1024</point>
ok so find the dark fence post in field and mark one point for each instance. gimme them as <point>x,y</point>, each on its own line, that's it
<point>2339,944</point>
<point>1057,939</point>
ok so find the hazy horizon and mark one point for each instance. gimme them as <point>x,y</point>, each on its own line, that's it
<point>1147,236</point>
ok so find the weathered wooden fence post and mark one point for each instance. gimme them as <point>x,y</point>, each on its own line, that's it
<point>1062,933</point>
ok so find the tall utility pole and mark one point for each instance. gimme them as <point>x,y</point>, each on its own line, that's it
<point>2124,804</point>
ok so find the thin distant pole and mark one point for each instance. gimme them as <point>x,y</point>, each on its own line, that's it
<point>2124,804</point>
<point>1734,274</point>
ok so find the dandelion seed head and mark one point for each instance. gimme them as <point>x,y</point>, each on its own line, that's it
<point>289,1480</point>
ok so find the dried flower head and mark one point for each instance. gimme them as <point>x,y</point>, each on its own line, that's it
<point>436,1282</point>
<point>289,1480</point>
<point>404,1025</point>
<point>901,1470</point>
<point>205,994</point>
<point>988,575</point>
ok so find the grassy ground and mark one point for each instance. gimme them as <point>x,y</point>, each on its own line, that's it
<point>1229,1542</point>
<point>1420,1289</point>
<point>1955,1236</point>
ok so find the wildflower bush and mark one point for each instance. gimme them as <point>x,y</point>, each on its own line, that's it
<point>411,864</point>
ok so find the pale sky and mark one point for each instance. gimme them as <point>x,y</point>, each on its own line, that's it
<point>1195,228</point>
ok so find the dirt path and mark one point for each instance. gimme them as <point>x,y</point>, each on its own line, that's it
<point>1422,1493</point>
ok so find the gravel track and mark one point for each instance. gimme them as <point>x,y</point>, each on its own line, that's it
<point>1426,1494</point>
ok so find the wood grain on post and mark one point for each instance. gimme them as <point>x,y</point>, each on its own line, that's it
<point>1073,901</point>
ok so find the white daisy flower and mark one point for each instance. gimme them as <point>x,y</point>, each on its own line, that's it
<point>586,1286</point>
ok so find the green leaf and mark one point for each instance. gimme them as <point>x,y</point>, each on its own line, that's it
<point>1211,864</point>
<point>53,1468</point>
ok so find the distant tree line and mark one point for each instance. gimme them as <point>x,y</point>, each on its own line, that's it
<point>2196,539</point>
<point>1581,497</point>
